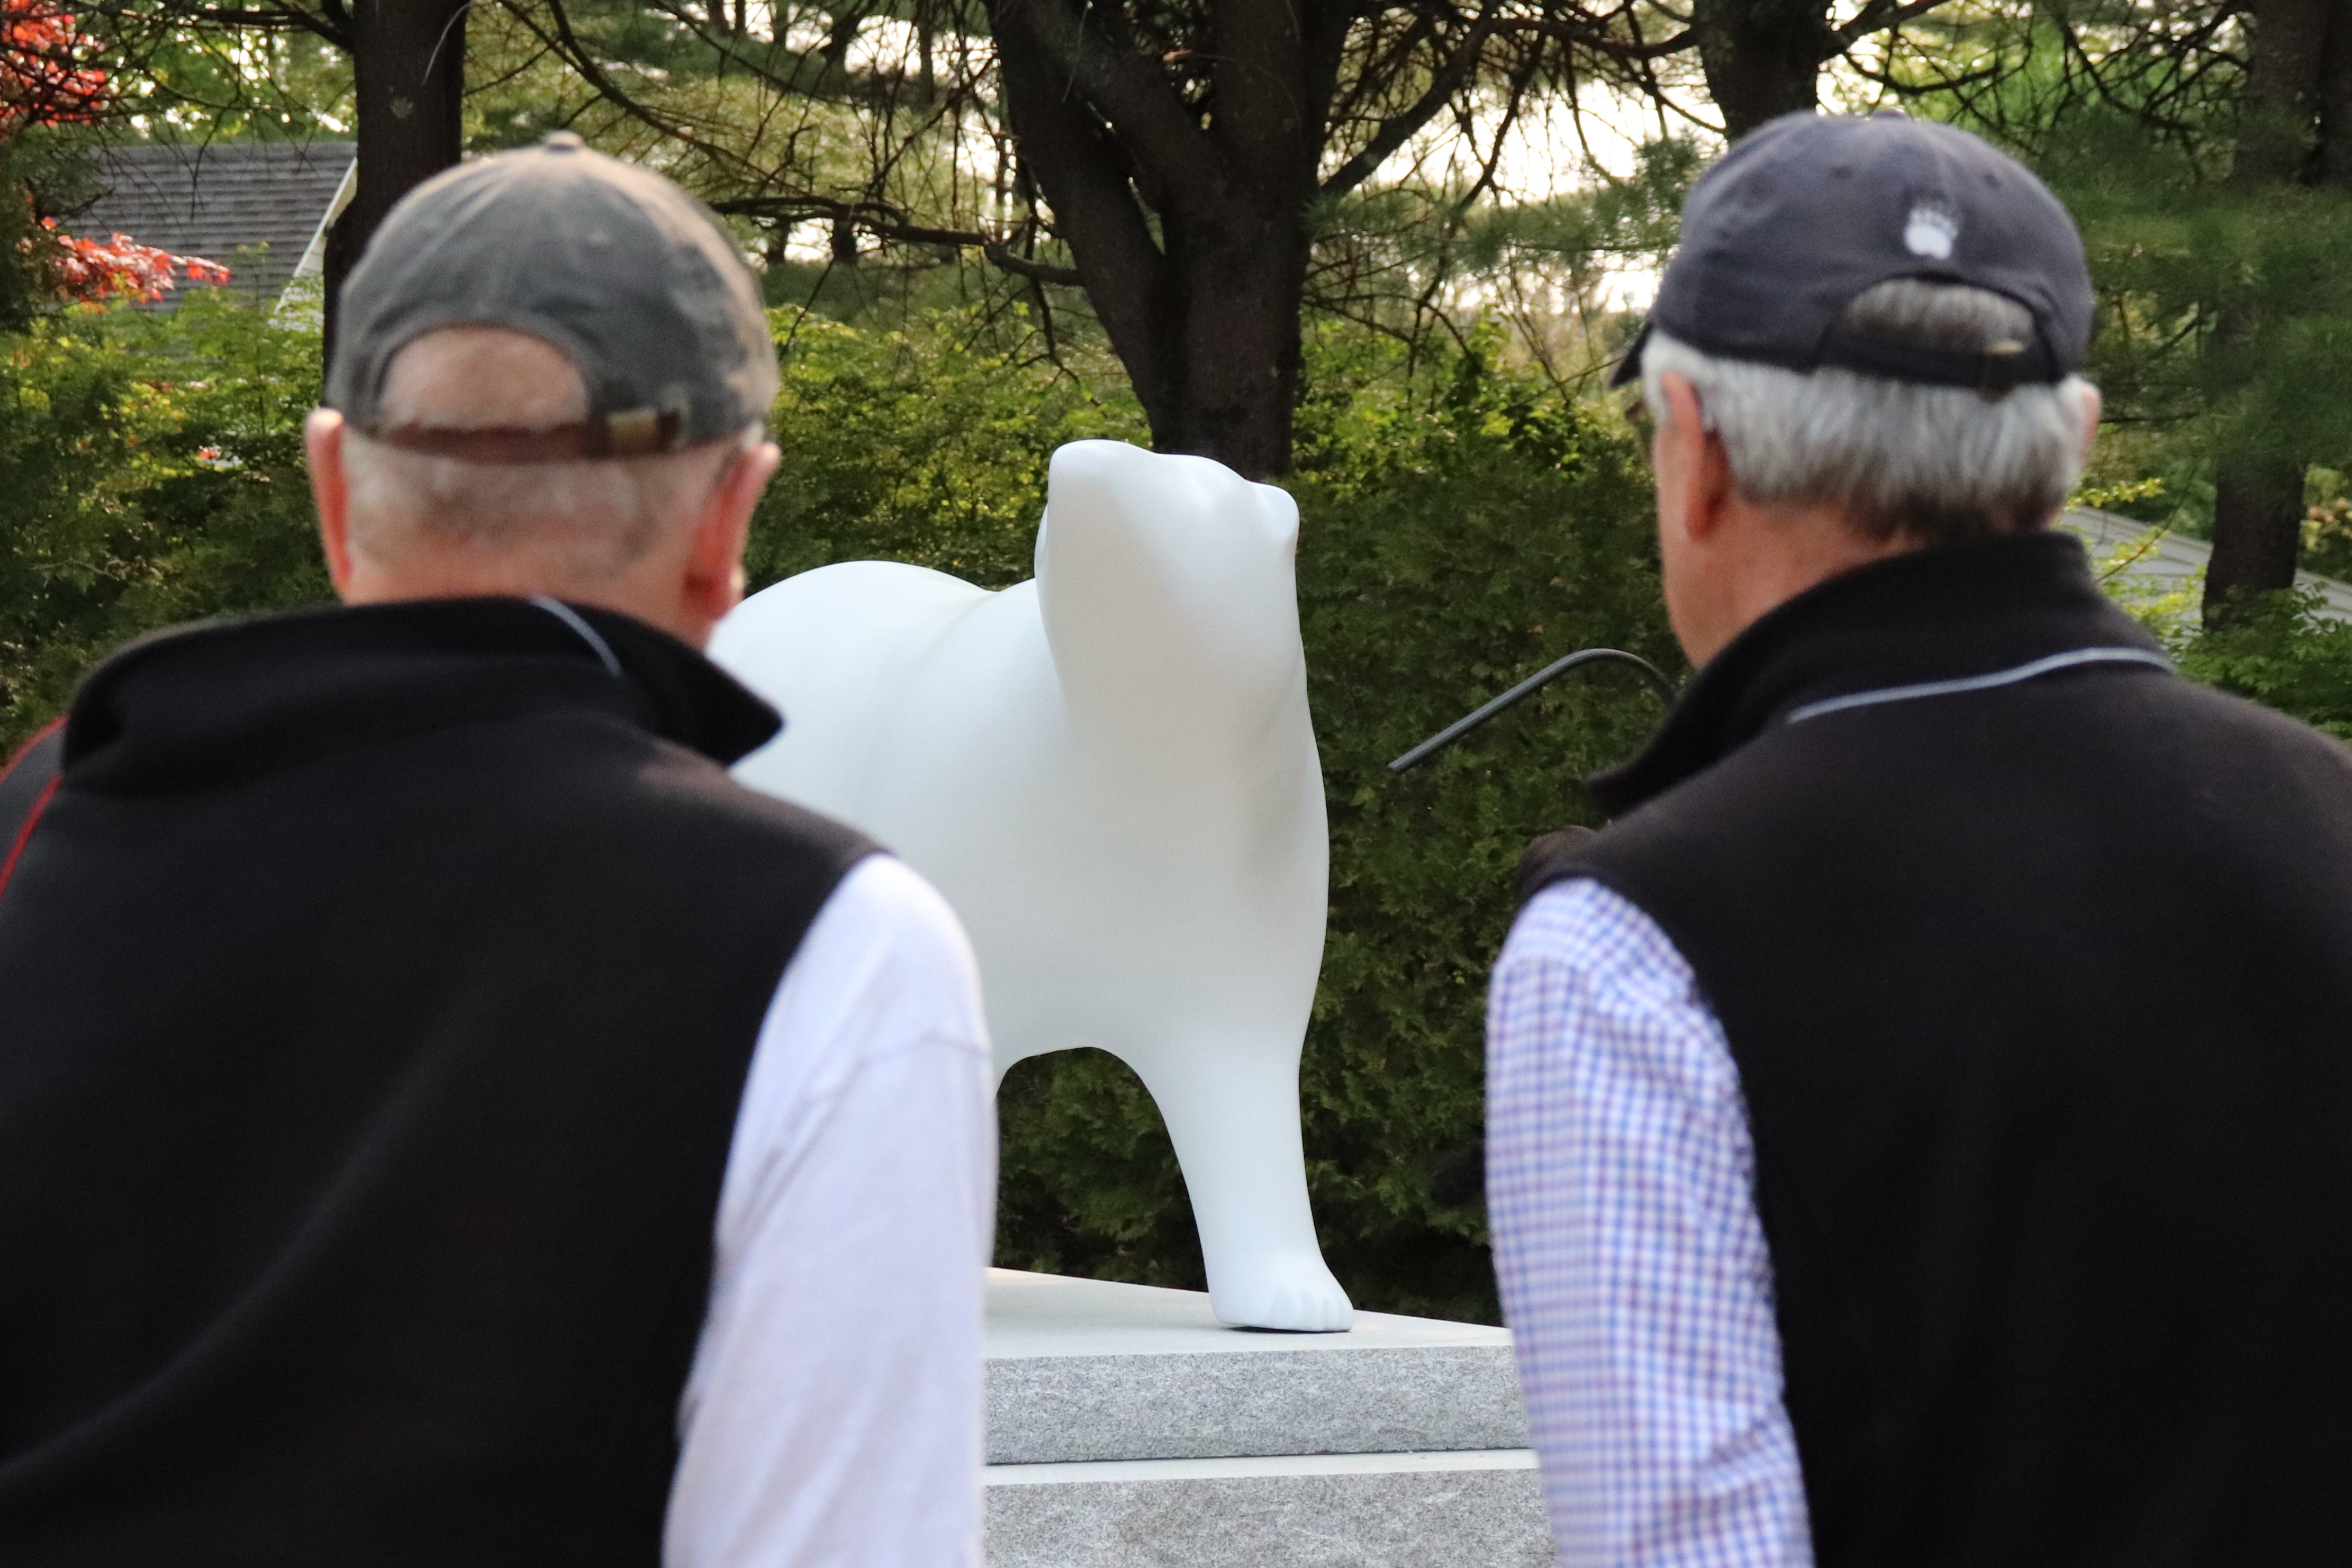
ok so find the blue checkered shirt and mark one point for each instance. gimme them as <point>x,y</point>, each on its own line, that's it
<point>1620,1186</point>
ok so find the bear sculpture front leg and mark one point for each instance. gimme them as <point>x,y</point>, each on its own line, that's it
<point>1231,1110</point>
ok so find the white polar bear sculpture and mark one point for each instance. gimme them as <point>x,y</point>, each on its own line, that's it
<point>1110,773</point>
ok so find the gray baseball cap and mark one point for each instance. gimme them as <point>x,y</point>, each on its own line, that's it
<point>1807,211</point>
<point>631,277</point>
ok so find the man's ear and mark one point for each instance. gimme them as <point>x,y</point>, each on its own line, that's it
<point>1694,456</point>
<point>2090,418</point>
<point>323,442</point>
<point>714,566</point>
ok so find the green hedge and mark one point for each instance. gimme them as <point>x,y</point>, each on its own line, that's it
<point>1453,546</point>
<point>1462,527</point>
<point>154,475</point>
<point>2285,653</point>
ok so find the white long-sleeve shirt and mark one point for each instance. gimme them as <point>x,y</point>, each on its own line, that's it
<point>1620,1188</point>
<point>833,1415</point>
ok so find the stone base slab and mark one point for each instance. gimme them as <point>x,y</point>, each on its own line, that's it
<point>1473,1509</point>
<point>1086,1370</point>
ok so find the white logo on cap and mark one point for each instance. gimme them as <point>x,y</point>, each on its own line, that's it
<point>1930,232</point>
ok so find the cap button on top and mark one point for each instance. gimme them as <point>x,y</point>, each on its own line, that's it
<point>563,142</point>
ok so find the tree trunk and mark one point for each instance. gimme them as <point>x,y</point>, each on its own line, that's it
<point>2257,530</point>
<point>1190,239</point>
<point>1762,58</point>
<point>1231,345</point>
<point>2298,86</point>
<point>408,67</point>
<point>1180,176</point>
<point>2335,96</point>
<point>2276,132</point>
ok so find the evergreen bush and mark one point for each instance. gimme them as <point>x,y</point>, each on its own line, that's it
<point>2284,653</point>
<point>154,475</point>
<point>1462,525</point>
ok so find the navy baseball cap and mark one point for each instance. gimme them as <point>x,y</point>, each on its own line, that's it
<point>1806,213</point>
<point>633,280</point>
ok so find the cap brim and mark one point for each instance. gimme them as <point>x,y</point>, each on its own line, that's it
<point>1629,369</point>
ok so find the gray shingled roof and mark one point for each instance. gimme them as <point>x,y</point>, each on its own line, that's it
<point>222,202</point>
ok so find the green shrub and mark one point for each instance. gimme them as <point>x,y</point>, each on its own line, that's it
<point>154,475</point>
<point>1450,549</point>
<point>924,447</point>
<point>2282,653</point>
<point>1462,525</point>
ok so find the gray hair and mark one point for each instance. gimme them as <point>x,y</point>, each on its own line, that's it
<point>595,516</point>
<point>1937,462</point>
<point>586,519</point>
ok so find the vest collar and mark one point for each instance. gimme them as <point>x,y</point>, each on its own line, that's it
<point>1952,614</point>
<point>227,698</point>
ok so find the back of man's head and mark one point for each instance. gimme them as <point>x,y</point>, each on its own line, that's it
<point>570,524</point>
<point>1933,464</point>
<point>1884,317</point>
<point>549,367</point>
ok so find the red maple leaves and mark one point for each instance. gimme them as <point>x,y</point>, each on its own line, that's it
<point>43,81</point>
<point>94,270</point>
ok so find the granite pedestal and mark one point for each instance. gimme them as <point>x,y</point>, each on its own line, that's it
<point>1127,1429</point>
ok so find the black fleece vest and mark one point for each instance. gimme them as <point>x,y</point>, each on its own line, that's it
<point>2041,995</point>
<point>375,997</point>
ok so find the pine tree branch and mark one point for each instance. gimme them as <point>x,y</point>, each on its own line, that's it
<point>1400,129</point>
<point>1879,16</point>
<point>883,224</point>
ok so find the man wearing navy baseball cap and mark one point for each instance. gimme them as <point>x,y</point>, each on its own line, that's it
<point>1917,1122</point>
<point>445,1121</point>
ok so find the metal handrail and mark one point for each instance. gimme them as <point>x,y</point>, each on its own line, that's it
<point>1527,688</point>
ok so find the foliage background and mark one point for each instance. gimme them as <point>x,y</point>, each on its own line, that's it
<point>154,475</point>
<point>1464,523</point>
<point>1468,516</point>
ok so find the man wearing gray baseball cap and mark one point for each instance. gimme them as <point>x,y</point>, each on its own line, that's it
<point>444,1120</point>
<point>1917,1121</point>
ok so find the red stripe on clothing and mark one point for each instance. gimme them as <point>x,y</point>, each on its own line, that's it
<point>16,849</point>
